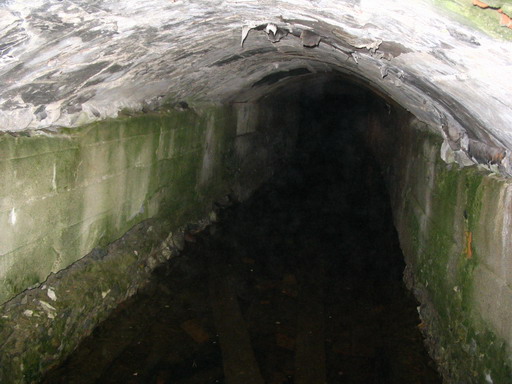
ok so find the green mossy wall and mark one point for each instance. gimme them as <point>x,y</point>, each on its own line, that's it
<point>88,213</point>
<point>486,20</point>
<point>63,194</point>
<point>453,225</point>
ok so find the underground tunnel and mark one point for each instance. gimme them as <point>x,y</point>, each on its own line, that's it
<point>311,257</point>
<point>297,191</point>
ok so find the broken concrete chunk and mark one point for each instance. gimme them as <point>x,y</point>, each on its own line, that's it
<point>178,240</point>
<point>373,46</point>
<point>384,71</point>
<point>28,312</point>
<point>274,33</point>
<point>213,217</point>
<point>46,306</point>
<point>167,253</point>
<point>49,309</point>
<point>152,263</point>
<point>168,240</point>
<point>51,294</point>
<point>310,39</point>
<point>245,32</point>
<point>447,154</point>
<point>485,153</point>
<point>453,136</point>
<point>271,28</point>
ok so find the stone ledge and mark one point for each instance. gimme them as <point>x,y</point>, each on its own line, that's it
<point>42,325</point>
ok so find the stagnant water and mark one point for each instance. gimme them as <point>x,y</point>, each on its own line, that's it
<point>309,268</point>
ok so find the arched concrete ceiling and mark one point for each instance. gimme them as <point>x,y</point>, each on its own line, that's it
<point>67,63</point>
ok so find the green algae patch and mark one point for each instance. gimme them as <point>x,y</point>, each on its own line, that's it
<point>453,229</point>
<point>443,262</point>
<point>444,269</point>
<point>486,20</point>
<point>65,193</point>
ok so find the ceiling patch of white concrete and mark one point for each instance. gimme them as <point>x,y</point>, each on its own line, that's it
<point>67,63</point>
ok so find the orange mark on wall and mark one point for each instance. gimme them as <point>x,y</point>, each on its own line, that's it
<point>480,4</point>
<point>505,20</point>
<point>469,240</point>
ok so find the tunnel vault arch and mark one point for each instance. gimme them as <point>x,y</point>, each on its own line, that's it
<point>67,64</point>
<point>179,90</point>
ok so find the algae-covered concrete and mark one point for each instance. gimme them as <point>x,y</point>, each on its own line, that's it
<point>41,326</point>
<point>453,225</point>
<point>64,193</point>
<point>486,18</point>
<point>73,192</point>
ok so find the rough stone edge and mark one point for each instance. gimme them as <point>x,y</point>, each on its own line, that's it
<point>41,326</point>
<point>478,361</point>
<point>440,333</point>
<point>434,334</point>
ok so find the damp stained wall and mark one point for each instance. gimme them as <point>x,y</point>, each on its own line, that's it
<point>65,193</point>
<point>453,224</point>
<point>89,212</point>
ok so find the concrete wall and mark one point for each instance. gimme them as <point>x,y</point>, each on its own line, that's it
<point>65,193</point>
<point>75,192</point>
<point>454,228</point>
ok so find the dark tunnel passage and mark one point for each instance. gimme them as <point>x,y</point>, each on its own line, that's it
<point>255,191</point>
<point>301,283</point>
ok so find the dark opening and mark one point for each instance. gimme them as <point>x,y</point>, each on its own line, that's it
<point>302,283</point>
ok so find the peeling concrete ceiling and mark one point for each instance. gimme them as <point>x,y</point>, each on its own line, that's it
<point>67,63</point>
